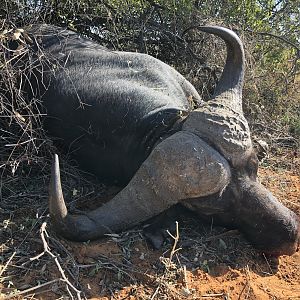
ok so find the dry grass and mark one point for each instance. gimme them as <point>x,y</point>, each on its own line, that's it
<point>36,264</point>
<point>24,147</point>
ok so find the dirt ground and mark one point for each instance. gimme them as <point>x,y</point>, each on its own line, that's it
<point>206,262</point>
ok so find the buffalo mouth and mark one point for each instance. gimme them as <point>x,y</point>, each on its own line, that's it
<point>285,247</point>
<point>248,206</point>
<point>270,226</point>
<point>276,246</point>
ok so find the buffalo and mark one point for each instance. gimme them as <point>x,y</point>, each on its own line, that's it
<point>130,118</point>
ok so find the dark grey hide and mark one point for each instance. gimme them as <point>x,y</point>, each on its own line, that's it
<point>110,108</point>
<point>128,117</point>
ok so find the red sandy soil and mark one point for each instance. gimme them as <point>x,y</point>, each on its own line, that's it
<point>222,266</point>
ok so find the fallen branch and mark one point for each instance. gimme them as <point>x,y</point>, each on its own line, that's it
<point>48,251</point>
<point>8,262</point>
<point>155,292</point>
<point>31,289</point>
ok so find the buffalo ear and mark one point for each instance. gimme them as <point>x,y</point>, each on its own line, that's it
<point>252,166</point>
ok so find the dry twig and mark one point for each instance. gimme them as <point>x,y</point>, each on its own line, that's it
<point>48,251</point>
<point>176,239</point>
<point>8,262</point>
<point>32,289</point>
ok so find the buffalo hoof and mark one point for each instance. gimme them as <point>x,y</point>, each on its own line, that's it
<point>155,239</point>
<point>157,232</point>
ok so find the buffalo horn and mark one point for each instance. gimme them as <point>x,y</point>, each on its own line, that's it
<point>182,166</point>
<point>220,120</point>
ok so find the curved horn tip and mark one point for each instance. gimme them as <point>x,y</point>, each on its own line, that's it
<point>231,81</point>
<point>55,161</point>
<point>57,205</point>
<point>215,29</point>
<point>55,171</point>
<point>55,157</point>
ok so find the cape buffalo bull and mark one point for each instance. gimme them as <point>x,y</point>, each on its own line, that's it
<point>128,117</point>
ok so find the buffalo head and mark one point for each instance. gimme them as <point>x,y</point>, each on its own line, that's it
<point>209,165</point>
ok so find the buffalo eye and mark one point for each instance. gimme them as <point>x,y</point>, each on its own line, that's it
<point>252,167</point>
